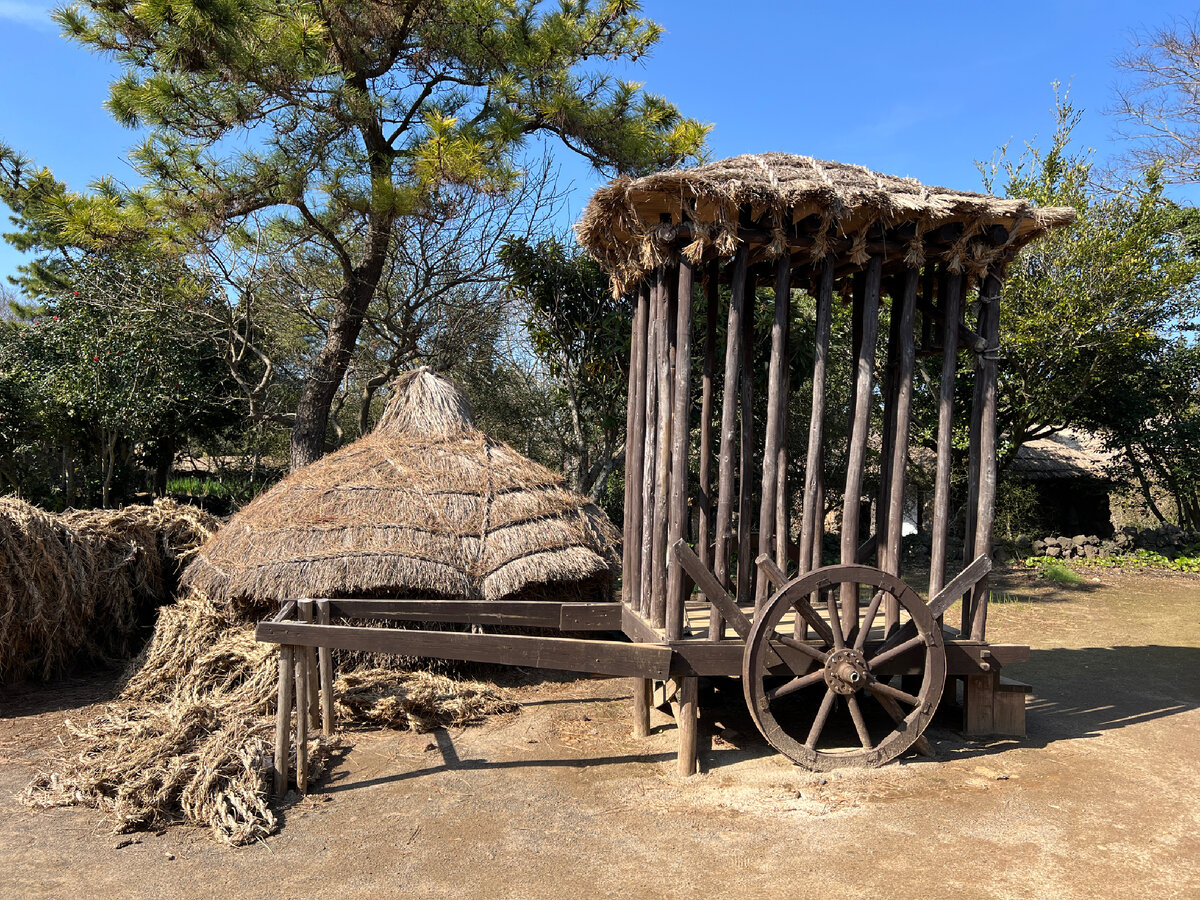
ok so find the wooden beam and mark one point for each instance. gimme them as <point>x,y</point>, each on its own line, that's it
<point>986,506</point>
<point>746,457</point>
<point>650,463</point>
<point>678,587</point>
<point>524,613</point>
<point>713,589</point>
<point>283,719</point>
<point>641,706</point>
<point>858,434</point>
<point>951,298</point>
<point>568,654</point>
<point>903,389</point>
<point>705,498</point>
<point>689,724</point>
<point>727,458</point>
<point>662,478</point>
<point>635,451</point>
<point>325,660</point>
<point>774,439</point>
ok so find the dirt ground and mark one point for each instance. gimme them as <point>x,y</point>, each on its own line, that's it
<point>1102,799</point>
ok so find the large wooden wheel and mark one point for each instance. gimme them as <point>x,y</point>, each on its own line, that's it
<point>843,668</point>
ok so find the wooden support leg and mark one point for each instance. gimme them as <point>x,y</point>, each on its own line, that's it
<point>310,667</point>
<point>302,682</point>
<point>283,721</point>
<point>689,724</point>
<point>642,688</point>
<point>979,702</point>
<point>326,659</point>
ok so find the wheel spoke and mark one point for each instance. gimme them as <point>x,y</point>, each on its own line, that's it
<point>898,650</point>
<point>804,648</point>
<point>868,621</point>
<point>835,624</point>
<point>796,684</point>
<point>860,724</point>
<point>882,687</point>
<point>818,724</point>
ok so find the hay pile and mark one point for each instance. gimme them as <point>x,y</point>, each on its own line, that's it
<point>426,505</point>
<point>191,736</point>
<point>78,587</point>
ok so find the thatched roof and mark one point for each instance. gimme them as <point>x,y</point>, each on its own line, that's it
<point>1065,455</point>
<point>827,202</point>
<point>424,505</point>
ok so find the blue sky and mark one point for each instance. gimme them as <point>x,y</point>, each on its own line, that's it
<point>921,89</point>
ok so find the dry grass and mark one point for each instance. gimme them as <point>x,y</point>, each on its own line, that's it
<point>191,736</point>
<point>77,588</point>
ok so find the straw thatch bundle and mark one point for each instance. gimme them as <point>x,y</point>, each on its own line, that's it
<point>424,505</point>
<point>621,226</point>
<point>78,587</point>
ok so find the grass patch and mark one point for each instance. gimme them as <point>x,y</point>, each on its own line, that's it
<point>1053,570</point>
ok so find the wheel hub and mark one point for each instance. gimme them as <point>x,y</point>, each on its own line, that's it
<point>846,671</point>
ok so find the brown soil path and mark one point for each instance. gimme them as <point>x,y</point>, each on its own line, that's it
<point>1101,800</point>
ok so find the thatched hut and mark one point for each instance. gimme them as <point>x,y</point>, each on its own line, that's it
<point>424,505</point>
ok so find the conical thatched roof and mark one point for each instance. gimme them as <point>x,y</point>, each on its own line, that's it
<point>424,505</point>
<point>621,226</point>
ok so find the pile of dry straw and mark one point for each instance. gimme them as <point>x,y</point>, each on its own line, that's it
<point>81,587</point>
<point>190,737</point>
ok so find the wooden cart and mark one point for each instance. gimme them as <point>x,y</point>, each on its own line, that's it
<point>842,664</point>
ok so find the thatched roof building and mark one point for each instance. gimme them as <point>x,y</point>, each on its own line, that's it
<point>1069,454</point>
<point>425,505</point>
<point>812,206</point>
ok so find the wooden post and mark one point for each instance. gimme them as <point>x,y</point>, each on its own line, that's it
<point>301,670</point>
<point>325,656</point>
<point>678,585</point>
<point>774,438</point>
<point>951,299</point>
<point>727,458</point>
<point>899,456</point>
<point>861,422</point>
<point>704,526</point>
<point>810,526</point>
<point>973,474</point>
<point>662,479</point>
<point>746,570</point>
<point>635,450</point>
<point>305,609</point>
<point>985,510</point>
<point>689,723</point>
<point>642,687</point>
<point>650,454</point>
<point>887,437</point>
<point>283,719</point>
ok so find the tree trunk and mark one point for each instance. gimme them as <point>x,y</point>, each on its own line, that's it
<point>312,412</point>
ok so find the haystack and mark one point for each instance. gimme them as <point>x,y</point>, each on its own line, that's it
<point>425,505</point>
<point>80,587</point>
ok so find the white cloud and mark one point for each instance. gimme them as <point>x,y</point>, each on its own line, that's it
<point>35,13</point>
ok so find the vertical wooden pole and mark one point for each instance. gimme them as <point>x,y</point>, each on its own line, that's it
<point>773,439</point>
<point>650,454</point>
<point>783,528</point>
<point>810,524</point>
<point>689,723</point>
<point>989,297</point>
<point>325,657</point>
<point>642,688</point>
<point>899,455</point>
<point>745,568</point>
<point>973,476</point>
<point>301,670</point>
<point>662,480</point>
<point>727,458</point>
<point>678,585</point>
<point>704,525</point>
<point>950,308</point>
<point>635,450</point>
<point>283,719</point>
<point>887,437</point>
<point>305,608</point>
<point>856,457</point>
